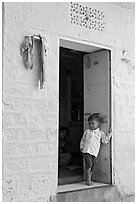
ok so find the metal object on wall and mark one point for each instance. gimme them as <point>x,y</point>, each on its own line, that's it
<point>87,17</point>
<point>27,50</point>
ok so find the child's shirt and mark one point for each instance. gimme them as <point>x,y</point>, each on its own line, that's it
<point>90,142</point>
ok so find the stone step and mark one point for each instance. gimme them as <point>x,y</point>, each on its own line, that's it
<point>80,192</point>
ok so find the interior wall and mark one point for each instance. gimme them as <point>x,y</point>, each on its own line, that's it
<point>97,100</point>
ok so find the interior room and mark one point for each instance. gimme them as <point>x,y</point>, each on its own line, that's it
<point>70,115</point>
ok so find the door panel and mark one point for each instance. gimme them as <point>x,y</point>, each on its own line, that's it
<point>97,99</point>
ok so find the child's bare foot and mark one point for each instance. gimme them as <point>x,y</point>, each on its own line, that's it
<point>89,183</point>
<point>84,177</point>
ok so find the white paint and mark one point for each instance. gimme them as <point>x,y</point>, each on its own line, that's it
<point>30,115</point>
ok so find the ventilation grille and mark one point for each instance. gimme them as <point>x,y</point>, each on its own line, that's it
<point>87,17</point>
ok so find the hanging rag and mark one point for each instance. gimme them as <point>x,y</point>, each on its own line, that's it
<point>43,57</point>
<point>27,50</point>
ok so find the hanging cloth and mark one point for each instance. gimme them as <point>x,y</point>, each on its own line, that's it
<point>27,50</point>
<point>43,57</point>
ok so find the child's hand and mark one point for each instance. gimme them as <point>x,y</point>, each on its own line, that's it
<point>110,130</point>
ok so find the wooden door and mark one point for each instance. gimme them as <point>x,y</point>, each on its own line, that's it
<point>97,99</point>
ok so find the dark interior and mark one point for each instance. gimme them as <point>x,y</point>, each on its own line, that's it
<point>70,115</point>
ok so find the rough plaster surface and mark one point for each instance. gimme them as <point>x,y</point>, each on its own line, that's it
<point>30,115</point>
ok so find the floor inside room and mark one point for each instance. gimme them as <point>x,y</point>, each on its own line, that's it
<point>70,174</point>
<point>70,170</point>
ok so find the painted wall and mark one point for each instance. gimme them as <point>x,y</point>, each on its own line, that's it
<point>30,114</point>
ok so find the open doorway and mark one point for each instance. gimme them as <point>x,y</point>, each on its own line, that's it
<point>70,115</point>
<point>80,89</point>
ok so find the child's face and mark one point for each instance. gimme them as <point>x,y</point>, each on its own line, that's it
<point>94,124</point>
<point>63,134</point>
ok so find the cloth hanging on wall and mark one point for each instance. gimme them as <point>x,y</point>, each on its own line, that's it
<point>27,50</point>
<point>44,57</point>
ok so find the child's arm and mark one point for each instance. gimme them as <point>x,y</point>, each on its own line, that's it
<point>82,141</point>
<point>106,137</point>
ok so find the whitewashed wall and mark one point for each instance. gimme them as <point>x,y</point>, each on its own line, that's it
<point>30,115</point>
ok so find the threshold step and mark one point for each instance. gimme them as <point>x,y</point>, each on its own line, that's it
<point>79,186</point>
<point>80,192</point>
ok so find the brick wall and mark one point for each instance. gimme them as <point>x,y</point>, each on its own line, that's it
<point>30,115</point>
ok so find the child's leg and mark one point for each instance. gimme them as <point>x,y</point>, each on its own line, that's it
<point>84,169</point>
<point>91,174</point>
<point>87,168</point>
<point>90,170</point>
<point>88,177</point>
<point>93,164</point>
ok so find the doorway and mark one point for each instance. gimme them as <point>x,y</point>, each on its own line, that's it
<point>70,115</point>
<point>80,89</point>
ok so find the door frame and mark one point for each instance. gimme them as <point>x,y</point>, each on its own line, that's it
<point>82,45</point>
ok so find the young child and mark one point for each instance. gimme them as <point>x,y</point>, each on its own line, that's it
<point>63,139</point>
<point>64,155</point>
<point>90,144</point>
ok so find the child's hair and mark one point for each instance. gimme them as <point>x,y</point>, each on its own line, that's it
<point>64,128</point>
<point>94,116</point>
